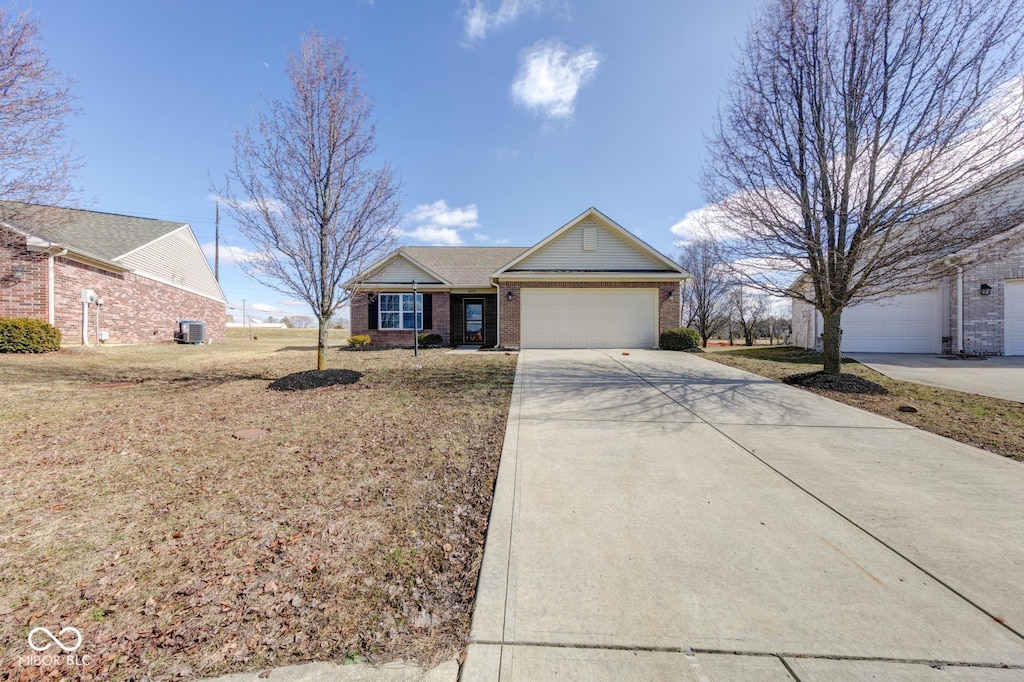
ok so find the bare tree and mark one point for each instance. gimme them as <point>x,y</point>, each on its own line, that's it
<point>706,293</point>
<point>750,310</point>
<point>847,125</point>
<point>36,158</point>
<point>304,188</point>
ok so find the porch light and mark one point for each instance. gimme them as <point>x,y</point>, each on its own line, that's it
<point>985,290</point>
<point>671,295</point>
<point>508,296</point>
<point>19,273</point>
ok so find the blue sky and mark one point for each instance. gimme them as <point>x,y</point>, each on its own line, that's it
<point>504,118</point>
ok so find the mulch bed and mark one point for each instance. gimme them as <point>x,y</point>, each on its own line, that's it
<point>304,381</point>
<point>842,383</point>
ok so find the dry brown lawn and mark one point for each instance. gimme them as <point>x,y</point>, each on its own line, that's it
<point>353,529</point>
<point>989,423</point>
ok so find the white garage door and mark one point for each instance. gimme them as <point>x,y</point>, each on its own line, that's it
<point>589,318</point>
<point>1013,317</point>
<point>902,324</point>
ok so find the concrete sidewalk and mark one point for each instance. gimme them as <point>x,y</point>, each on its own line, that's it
<point>998,377</point>
<point>660,516</point>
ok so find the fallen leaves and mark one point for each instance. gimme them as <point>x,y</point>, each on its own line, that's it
<point>354,528</point>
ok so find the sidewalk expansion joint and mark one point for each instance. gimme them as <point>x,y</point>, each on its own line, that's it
<point>994,617</point>
<point>687,650</point>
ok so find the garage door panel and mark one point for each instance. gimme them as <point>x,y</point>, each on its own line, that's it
<point>903,324</point>
<point>589,318</point>
<point>1013,317</point>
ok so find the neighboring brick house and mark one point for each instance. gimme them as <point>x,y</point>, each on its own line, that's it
<point>590,284</point>
<point>148,274</point>
<point>976,306</point>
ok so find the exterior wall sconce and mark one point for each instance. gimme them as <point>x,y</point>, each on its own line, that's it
<point>671,295</point>
<point>18,273</point>
<point>985,290</point>
<point>509,296</point>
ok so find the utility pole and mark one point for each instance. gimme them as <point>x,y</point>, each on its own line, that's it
<point>244,320</point>
<point>216,242</point>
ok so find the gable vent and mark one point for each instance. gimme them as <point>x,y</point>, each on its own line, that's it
<point>590,238</point>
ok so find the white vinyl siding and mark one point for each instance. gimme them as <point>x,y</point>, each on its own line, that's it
<point>1013,319</point>
<point>611,252</point>
<point>589,318</point>
<point>909,323</point>
<point>402,270</point>
<point>175,259</point>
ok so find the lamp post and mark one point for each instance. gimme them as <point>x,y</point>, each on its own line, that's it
<point>415,324</point>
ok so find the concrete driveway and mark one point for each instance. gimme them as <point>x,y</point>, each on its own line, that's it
<point>661,516</point>
<point>999,377</point>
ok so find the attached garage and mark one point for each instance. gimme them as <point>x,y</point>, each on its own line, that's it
<point>910,323</point>
<point>589,318</point>
<point>1013,302</point>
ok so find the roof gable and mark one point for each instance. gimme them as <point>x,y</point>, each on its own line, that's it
<point>591,242</point>
<point>178,260</point>
<point>401,268</point>
<point>107,236</point>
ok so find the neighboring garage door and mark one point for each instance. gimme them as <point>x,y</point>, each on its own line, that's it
<point>902,324</point>
<point>1013,297</point>
<point>589,318</point>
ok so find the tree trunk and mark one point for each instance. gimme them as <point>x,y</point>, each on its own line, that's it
<point>831,340</point>
<point>321,343</point>
<point>704,341</point>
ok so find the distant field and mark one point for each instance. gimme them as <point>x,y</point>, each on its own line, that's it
<point>335,336</point>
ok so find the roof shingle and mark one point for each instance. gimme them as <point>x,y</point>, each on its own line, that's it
<point>464,266</point>
<point>105,235</point>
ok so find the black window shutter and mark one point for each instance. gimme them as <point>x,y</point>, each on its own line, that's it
<point>428,311</point>
<point>372,312</point>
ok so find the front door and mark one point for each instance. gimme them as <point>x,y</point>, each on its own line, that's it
<point>474,329</point>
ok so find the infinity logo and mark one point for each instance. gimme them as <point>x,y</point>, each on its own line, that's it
<point>53,640</point>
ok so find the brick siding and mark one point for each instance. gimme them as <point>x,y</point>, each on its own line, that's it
<point>136,309</point>
<point>440,316</point>
<point>983,315</point>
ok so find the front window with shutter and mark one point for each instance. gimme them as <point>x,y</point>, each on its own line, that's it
<point>395,311</point>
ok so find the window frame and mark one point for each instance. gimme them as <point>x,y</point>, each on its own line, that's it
<point>400,311</point>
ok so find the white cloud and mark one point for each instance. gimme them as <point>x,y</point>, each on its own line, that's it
<point>707,222</point>
<point>294,303</point>
<point>551,75</point>
<point>478,20</point>
<point>435,236</point>
<point>230,254</point>
<point>507,152</point>
<point>247,205</point>
<point>439,213</point>
<point>488,239</point>
<point>440,224</point>
<point>262,308</point>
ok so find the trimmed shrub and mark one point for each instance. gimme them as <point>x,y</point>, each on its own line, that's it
<point>359,341</point>
<point>427,339</point>
<point>27,335</point>
<point>680,339</point>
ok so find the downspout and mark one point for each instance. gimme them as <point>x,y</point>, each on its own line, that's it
<point>51,314</point>
<point>497,314</point>
<point>959,304</point>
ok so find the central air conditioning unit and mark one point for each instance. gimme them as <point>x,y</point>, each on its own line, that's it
<point>191,331</point>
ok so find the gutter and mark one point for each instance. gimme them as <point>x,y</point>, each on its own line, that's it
<point>51,316</point>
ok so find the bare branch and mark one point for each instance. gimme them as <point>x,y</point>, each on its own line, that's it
<point>36,158</point>
<point>304,189</point>
<point>856,141</point>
